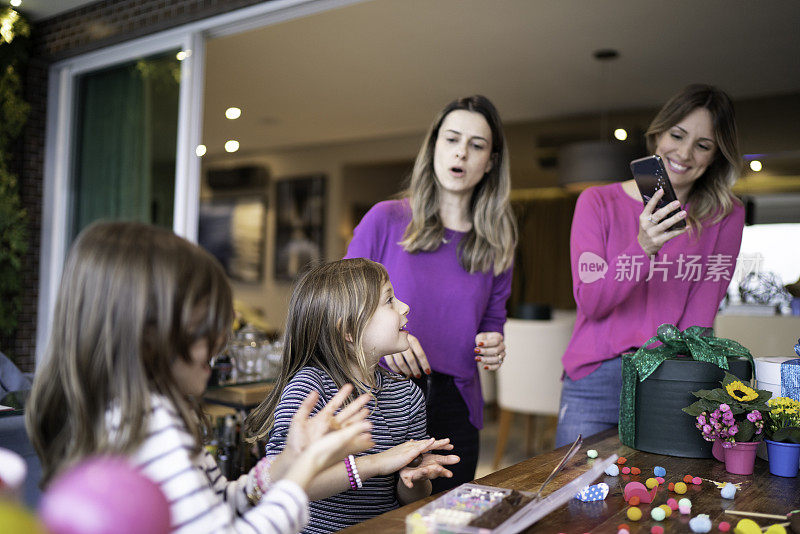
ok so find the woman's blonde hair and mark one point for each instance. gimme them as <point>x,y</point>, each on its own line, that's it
<point>133,299</point>
<point>331,303</point>
<point>711,197</point>
<point>489,245</point>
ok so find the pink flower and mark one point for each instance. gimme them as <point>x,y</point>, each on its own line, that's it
<point>701,419</point>
<point>724,407</point>
<point>733,430</point>
<point>707,429</point>
<point>727,417</point>
<point>715,414</point>
<point>754,416</point>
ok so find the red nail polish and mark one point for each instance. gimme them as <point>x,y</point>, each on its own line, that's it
<point>417,375</point>
<point>486,367</point>
<point>477,358</point>
<point>477,350</point>
<point>427,371</point>
<point>480,343</point>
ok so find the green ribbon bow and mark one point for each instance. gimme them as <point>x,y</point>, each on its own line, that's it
<point>696,341</point>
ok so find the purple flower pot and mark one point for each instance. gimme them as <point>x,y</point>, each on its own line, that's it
<point>718,450</point>
<point>784,458</point>
<point>741,457</point>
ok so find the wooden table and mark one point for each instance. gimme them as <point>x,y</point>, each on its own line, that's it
<point>760,492</point>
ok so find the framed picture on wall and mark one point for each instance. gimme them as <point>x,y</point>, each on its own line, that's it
<point>233,229</point>
<point>300,224</point>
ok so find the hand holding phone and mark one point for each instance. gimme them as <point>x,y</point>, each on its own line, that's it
<point>650,176</point>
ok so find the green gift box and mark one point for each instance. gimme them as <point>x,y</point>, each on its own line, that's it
<point>657,383</point>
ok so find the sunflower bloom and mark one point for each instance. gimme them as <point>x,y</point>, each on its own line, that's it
<point>740,392</point>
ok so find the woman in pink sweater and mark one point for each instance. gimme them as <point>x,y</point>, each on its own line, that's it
<point>631,273</point>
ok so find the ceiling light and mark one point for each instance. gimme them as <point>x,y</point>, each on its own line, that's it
<point>15,3</point>
<point>755,165</point>
<point>200,151</point>
<point>231,146</point>
<point>233,113</point>
<point>620,134</point>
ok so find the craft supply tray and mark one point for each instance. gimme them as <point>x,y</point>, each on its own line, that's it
<point>451,513</point>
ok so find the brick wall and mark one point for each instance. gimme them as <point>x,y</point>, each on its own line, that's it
<point>76,32</point>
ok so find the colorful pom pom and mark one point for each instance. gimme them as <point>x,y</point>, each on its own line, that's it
<point>728,491</point>
<point>684,509</point>
<point>660,480</point>
<point>724,526</point>
<point>651,483</point>
<point>621,460</point>
<point>700,523</point>
<point>746,526</point>
<point>658,514</point>
<point>659,471</point>
<point>680,488</point>
<point>626,470</point>
<point>634,501</point>
<point>688,479</point>
<point>673,504</point>
<point>612,470</point>
<point>591,453</point>
<point>697,481</point>
<point>623,526</point>
<point>635,471</point>
<point>634,514</point>
<point>667,509</point>
<point>657,529</point>
<point>671,486</point>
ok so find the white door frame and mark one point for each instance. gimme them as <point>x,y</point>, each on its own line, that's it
<point>59,137</point>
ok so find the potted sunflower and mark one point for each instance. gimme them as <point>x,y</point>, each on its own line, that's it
<point>732,416</point>
<point>783,436</point>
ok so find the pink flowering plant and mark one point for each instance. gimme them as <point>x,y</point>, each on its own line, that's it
<point>734,412</point>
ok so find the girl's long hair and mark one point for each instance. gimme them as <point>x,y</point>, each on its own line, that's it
<point>133,299</point>
<point>330,304</point>
<point>711,198</point>
<point>489,245</point>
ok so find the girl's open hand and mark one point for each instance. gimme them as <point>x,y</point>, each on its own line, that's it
<point>431,466</point>
<point>305,430</point>
<point>490,351</point>
<point>654,224</point>
<point>410,362</point>
<point>399,456</point>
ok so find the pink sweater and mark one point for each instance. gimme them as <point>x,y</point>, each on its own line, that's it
<point>620,309</point>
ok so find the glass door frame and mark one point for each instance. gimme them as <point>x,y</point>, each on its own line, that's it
<point>60,127</point>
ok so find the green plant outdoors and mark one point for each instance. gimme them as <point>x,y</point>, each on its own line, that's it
<point>741,399</point>
<point>14,31</point>
<point>784,420</point>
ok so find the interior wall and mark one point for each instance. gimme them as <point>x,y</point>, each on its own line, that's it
<point>363,172</point>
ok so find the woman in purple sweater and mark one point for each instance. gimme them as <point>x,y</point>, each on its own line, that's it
<point>448,246</point>
<point>653,275</point>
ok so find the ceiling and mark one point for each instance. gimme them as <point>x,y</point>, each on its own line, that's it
<point>385,67</point>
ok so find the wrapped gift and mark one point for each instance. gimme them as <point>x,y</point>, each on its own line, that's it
<point>657,383</point>
<point>780,375</point>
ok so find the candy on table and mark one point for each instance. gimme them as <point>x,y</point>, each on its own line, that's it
<point>728,491</point>
<point>634,513</point>
<point>449,516</point>
<point>659,471</point>
<point>626,470</point>
<point>635,470</point>
<point>680,488</point>
<point>657,529</point>
<point>700,523</point>
<point>612,470</point>
<point>651,483</point>
<point>658,514</point>
<point>673,504</point>
<point>591,453</point>
<point>724,526</point>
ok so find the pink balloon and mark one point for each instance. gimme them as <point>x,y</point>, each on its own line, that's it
<point>104,495</point>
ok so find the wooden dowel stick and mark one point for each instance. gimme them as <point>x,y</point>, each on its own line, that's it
<point>755,514</point>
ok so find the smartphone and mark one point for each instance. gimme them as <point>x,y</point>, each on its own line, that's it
<point>650,176</point>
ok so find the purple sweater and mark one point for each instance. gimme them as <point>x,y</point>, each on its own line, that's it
<point>449,306</point>
<point>622,310</point>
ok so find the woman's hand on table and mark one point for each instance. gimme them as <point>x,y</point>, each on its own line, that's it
<point>410,362</point>
<point>654,224</point>
<point>490,351</point>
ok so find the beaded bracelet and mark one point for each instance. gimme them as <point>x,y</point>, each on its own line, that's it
<point>352,472</point>
<point>261,473</point>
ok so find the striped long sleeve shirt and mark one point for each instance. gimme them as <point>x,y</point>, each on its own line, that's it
<point>397,416</point>
<point>201,499</point>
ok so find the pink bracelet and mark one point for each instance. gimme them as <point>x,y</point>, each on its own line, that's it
<point>352,472</point>
<point>261,471</point>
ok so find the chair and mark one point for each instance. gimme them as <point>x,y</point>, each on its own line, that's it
<point>529,381</point>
